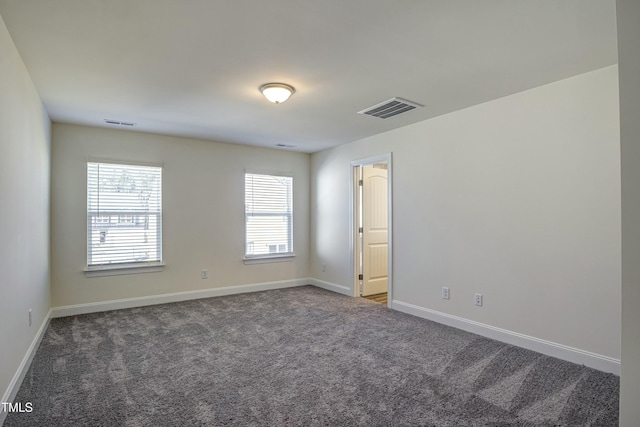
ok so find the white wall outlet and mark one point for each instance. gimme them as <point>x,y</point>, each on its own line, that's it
<point>204,274</point>
<point>324,266</point>
<point>478,300</point>
<point>30,317</point>
<point>445,292</point>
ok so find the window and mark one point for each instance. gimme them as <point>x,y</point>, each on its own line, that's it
<point>124,215</point>
<point>268,216</point>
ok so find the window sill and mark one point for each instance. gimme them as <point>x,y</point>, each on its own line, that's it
<point>269,258</point>
<point>122,269</point>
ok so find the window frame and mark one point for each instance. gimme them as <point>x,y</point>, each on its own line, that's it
<point>269,257</point>
<point>121,268</point>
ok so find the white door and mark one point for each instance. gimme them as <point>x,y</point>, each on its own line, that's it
<point>375,245</point>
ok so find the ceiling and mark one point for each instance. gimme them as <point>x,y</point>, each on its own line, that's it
<point>193,67</point>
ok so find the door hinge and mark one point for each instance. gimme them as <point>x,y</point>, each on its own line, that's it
<point>360,230</point>
<point>360,183</point>
<point>360,277</point>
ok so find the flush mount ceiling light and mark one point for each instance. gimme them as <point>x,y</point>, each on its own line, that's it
<point>277,92</point>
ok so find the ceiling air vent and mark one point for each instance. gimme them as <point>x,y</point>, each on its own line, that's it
<point>389,108</point>
<point>285,146</point>
<point>118,123</point>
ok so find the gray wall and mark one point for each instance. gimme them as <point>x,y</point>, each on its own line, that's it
<point>24,211</point>
<point>629,60</point>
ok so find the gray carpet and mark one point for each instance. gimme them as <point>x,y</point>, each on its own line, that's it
<point>297,357</point>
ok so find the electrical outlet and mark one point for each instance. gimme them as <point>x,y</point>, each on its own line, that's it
<point>324,266</point>
<point>445,292</point>
<point>30,317</point>
<point>478,300</point>
<point>205,274</point>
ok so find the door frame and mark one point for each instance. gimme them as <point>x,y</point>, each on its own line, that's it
<point>353,221</point>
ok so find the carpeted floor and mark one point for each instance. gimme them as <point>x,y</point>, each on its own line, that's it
<point>297,357</point>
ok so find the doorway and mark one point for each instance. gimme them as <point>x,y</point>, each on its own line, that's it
<point>371,225</point>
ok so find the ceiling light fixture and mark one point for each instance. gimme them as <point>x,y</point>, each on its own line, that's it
<point>277,92</point>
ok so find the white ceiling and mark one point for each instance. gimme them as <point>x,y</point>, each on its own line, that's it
<point>193,67</point>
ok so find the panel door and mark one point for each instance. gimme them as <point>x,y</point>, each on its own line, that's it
<point>374,231</point>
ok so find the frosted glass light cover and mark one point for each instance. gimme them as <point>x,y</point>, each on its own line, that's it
<point>277,92</point>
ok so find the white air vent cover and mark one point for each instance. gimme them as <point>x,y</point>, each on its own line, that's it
<point>389,108</point>
<point>118,123</point>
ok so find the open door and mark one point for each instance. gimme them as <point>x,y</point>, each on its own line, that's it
<point>374,229</point>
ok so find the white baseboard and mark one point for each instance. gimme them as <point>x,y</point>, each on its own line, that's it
<point>330,286</point>
<point>96,307</point>
<point>560,351</point>
<point>17,379</point>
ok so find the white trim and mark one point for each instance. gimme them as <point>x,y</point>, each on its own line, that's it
<point>18,377</point>
<point>253,171</point>
<point>122,269</point>
<point>383,158</point>
<point>262,259</point>
<point>91,159</point>
<point>96,307</point>
<point>549,348</point>
<point>333,287</point>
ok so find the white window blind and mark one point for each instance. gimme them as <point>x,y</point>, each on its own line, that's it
<point>268,215</point>
<point>124,214</point>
